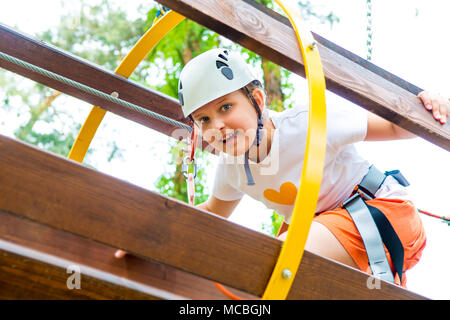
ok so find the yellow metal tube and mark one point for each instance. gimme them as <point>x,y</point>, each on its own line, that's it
<point>308,193</point>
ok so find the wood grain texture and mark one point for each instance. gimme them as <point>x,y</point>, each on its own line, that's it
<point>168,282</point>
<point>267,34</point>
<point>65,195</point>
<point>23,277</point>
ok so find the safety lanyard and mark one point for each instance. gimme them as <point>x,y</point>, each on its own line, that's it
<point>189,167</point>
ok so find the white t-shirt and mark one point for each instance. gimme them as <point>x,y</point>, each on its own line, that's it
<point>277,176</point>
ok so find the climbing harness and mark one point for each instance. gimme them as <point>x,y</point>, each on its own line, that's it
<point>373,226</point>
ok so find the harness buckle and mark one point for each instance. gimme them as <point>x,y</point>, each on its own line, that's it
<point>357,193</point>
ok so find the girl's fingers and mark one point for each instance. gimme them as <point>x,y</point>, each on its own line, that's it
<point>436,109</point>
<point>444,110</point>
<point>426,99</point>
<point>439,107</point>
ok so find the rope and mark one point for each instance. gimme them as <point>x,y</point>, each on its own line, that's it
<point>369,30</point>
<point>445,219</point>
<point>92,91</point>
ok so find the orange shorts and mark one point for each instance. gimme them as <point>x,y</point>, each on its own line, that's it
<point>403,217</point>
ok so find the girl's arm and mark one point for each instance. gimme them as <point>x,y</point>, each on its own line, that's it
<point>381,129</point>
<point>219,207</point>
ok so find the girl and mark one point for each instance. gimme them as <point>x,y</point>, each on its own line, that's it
<point>261,154</point>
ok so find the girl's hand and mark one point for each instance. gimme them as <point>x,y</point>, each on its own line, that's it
<point>439,106</point>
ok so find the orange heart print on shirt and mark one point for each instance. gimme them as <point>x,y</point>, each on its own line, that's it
<point>286,195</point>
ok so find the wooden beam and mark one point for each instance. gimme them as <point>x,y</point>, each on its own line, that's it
<point>29,274</point>
<point>65,64</point>
<point>161,281</point>
<point>68,196</point>
<point>271,36</point>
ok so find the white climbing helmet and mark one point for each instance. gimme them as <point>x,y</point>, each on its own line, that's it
<point>211,75</point>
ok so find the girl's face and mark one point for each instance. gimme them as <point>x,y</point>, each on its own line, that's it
<point>229,123</point>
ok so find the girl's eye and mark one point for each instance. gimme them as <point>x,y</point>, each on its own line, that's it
<point>203,120</point>
<point>226,107</point>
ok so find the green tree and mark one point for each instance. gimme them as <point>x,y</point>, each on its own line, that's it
<point>100,33</point>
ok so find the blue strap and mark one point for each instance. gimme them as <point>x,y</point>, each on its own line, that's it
<point>398,176</point>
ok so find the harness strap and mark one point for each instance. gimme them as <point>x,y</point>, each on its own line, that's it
<point>372,181</point>
<point>373,226</point>
<point>373,243</point>
<point>390,239</point>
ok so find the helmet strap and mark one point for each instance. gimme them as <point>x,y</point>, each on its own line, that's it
<point>248,172</point>
<point>258,138</point>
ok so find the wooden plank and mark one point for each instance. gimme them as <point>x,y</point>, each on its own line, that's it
<point>343,52</point>
<point>161,280</point>
<point>56,60</point>
<point>68,196</point>
<point>267,34</point>
<point>29,274</point>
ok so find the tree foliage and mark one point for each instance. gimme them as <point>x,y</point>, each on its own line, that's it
<point>100,33</point>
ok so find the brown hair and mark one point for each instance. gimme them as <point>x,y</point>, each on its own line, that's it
<point>248,89</point>
<point>248,92</point>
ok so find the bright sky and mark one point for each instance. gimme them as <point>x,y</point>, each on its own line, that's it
<point>410,40</point>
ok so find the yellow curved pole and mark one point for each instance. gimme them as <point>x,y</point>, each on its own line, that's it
<point>308,193</point>
<point>161,26</point>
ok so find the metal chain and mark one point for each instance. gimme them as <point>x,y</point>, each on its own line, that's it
<point>110,97</point>
<point>369,30</point>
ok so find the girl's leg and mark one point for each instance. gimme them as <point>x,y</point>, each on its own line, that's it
<point>322,242</point>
